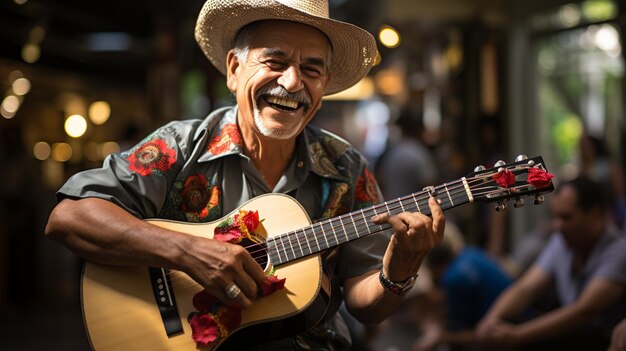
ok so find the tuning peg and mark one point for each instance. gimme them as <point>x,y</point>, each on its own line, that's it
<point>519,202</point>
<point>500,206</point>
<point>499,163</point>
<point>479,168</point>
<point>521,158</point>
<point>539,199</point>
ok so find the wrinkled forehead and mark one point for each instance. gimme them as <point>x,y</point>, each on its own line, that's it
<point>280,33</point>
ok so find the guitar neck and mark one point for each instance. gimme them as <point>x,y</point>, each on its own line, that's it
<point>351,226</point>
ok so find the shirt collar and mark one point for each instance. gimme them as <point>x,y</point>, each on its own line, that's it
<point>316,150</point>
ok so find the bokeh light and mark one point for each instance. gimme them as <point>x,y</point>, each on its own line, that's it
<point>75,126</point>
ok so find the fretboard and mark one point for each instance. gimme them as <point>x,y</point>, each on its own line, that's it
<point>329,233</point>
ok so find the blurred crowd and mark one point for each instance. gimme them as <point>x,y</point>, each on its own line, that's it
<point>561,287</point>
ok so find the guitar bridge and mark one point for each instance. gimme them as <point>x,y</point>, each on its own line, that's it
<point>164,296</point>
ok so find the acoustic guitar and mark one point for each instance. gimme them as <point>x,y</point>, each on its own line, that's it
<point>141,308</point>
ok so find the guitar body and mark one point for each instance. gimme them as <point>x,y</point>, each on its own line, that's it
<point>120,311</point>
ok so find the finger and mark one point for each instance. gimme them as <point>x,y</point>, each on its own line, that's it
<point>381,218</point>
<point>438,218</point>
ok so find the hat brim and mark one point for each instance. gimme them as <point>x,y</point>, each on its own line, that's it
<point>354,49</point>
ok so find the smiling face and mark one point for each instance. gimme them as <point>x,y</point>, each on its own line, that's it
<point>280,85</point>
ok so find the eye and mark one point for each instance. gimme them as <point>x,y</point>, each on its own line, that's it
<point>275,64</point>
<point>312,71</point>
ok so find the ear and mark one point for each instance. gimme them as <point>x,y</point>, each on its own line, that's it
<point>232,70</point>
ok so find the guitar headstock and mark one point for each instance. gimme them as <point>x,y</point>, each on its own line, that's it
<point>515,181</point>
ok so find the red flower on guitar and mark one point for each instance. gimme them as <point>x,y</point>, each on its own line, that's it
<point>237,228</point>
<point>539,178</point>
<point>504,178</point>
<point>151,156</point>
<point>213,320</point>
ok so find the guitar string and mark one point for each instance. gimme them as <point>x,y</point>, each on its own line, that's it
<point>361,224</point>
<point>177,276</point>
<point>338,223</point>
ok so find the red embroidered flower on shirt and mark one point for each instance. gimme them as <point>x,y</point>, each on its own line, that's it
<point>152,156</point>
<point>366,190</point>
<point>223,142</point>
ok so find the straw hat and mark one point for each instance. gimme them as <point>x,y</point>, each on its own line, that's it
<point>354,49</point>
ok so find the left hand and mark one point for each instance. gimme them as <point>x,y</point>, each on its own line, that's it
<point>415,234</point>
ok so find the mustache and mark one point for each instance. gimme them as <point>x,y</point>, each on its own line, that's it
<point>274,89</point>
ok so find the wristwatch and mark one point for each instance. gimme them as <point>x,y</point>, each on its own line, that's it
<point>400,288</point>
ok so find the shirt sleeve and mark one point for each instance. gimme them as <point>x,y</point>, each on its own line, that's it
<point>139,179</point>
<point>612,262</point>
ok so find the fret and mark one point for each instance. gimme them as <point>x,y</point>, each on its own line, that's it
<point>416,202</point>
<point>334,233</point>
<point>284,247</point>
<point>445,185</point>
<point>345,232</point>
<point>271,247</point>
<point>291,245</point>
<point>375,213</point>
<point>356,230</point>
<point>298,240</point>
<point>401,205</point>
<point>387,207</point>
<point>315,237</point>
<point>365,222</point>
<point>324,234</point>
<point>306,240</point>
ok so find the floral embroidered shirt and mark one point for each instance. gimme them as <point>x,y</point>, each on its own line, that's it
<point>196,171</point>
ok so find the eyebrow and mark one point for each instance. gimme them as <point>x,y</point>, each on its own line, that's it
<point>318,61</point>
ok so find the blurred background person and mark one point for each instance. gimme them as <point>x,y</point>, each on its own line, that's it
<point>585,260</point>
<point>407,165</point>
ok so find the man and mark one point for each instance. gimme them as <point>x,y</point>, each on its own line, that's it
<point>585,261</point>
<point>280,58</point>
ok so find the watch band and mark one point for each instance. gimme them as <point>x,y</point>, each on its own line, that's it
<point>396,288</point>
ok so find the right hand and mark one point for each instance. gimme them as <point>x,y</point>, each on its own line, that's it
<point>217,265</point>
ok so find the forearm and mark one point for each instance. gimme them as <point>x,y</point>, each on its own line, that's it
<point>368,301</point>
<point>100,231</point>
<point>510,304</point>
<point>558,322</point>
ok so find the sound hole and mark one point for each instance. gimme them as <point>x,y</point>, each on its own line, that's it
<point>258,251</point>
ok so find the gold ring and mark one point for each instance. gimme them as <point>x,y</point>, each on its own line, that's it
<point>233,291</point>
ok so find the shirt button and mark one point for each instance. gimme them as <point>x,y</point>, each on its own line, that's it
<point>300,164</point>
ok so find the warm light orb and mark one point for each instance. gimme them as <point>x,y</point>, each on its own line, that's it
<point>75,126</point>
<point>61,152</point>
<point>21,86</point>
<point>42,150</point>
<point>11,104</point>
<point>389,37</point>
<point>31,52</point>
<point>99,112</point>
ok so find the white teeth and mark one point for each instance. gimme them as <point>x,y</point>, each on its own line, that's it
<point>282,101</point>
